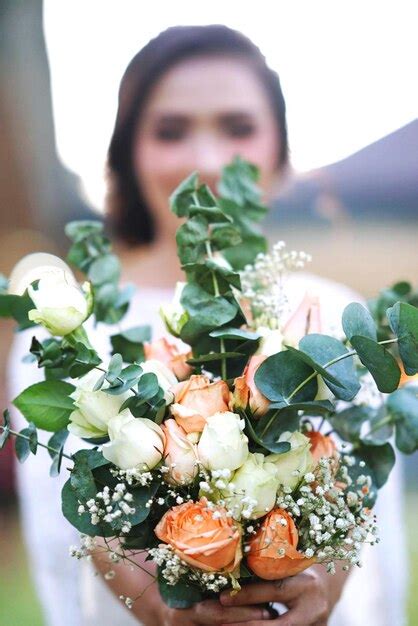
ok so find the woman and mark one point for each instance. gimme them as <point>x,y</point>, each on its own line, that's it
<point>192,99</point>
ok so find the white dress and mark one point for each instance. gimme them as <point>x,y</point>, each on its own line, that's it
<point>69,591</point>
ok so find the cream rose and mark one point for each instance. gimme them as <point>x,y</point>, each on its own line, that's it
<point>94,409</point>
<point>257,481</point>
<point>293,465</point>
<point>134,442</point>
<point>223,445</point>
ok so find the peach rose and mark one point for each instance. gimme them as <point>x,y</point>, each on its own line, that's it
<point>180,455</point>
<point>405,379</point>
<point>246,392</point>
<point>169,354</point>
<point>197,399</point>
<point>305,320</point>
<point>321,446</point>
<point>203,537</point>
<point>273,554</point>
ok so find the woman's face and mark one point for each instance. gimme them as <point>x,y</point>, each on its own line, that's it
<point>202,113</point>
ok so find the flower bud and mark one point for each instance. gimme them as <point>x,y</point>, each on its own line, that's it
<point>223,445</point>
<point>174,315</point>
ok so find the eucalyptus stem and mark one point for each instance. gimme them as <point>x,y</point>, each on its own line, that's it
<point>332,362</point>
<point>38,443</point>
<point>101,369</point>
<point>379,424</point>
<point>217,294</point>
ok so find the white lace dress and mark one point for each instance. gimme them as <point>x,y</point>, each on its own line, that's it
<point>69,591</point>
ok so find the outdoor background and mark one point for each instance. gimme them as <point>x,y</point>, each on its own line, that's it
<point>348,71</point>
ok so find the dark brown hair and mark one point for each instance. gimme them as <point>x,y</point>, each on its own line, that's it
<point>129,217</point>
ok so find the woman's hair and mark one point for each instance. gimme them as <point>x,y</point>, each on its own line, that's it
<point>129,216</point>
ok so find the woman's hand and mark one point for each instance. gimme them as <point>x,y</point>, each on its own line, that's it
<point>310,597</point>
<point>212,612</point>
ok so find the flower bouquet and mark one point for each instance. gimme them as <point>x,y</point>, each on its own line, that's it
<point>248,445</point>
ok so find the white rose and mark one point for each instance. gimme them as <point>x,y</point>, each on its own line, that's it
<point>223,445</point>
<point>94,408</point>
<point>165,377</point>
<point>134,442</point>
<point>271,341</point>
<point>293,465</point>
<point>256,480</point>
<point>61,306</point>
<point>174,315</point>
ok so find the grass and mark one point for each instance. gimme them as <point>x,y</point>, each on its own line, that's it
<point>20,607</point>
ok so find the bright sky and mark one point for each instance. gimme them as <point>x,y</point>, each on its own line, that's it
<point>348,68</point>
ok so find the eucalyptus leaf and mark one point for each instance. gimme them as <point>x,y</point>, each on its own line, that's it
<point>47,404</point>
<point>356,320</point>
<point>403,407</point>
<point>403,319</point>
<point>182,595</point>
<point>379,361</point>
<point>285,378</point>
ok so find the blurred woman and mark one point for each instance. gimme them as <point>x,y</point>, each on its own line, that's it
<point>192,99</point>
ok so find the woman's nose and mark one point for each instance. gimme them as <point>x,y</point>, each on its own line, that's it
<point>209,158</point>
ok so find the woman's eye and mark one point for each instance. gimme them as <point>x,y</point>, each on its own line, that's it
<point>170,133</point>
<point>240,130</point>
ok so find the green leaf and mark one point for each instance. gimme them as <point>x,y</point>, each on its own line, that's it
<point>403,406</point>
<point>105,269</point>
<point>82,523</point>
<point>148,386</point>
<point>47,404</point>
<point>82,479</point>
<point>129,343</point>
<point>314,407</point>
<point>357,320</point>
<point>114,369</point>
<point>141,495</point>
<point>379,460</point>
<point>182,197</point>
<point>281,374</point>
<point>214,356</point>
<point>18,308</point>
<point>130,376</point>
<point>379,361</point>
<point>235,333</point>
<point>225,236</point>
<point>207,316</point>
<point>78,230</point>
<point>182,595</point>
<point>348,423</point>
<point>57,442</point>
<point>403,319</point>
<point>22,448</point>
<point>324,349</point>
<point>326,374</point>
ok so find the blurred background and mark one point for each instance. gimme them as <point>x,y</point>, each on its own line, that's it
<point>348,72</point>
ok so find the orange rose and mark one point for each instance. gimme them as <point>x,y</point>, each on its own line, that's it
<point>206,541</point>
<point>273,554</point>
<point>197,399</point>
<point>321,446</point>
<point>246,392</point>
<point>169,354</point>
<point>305,320</point>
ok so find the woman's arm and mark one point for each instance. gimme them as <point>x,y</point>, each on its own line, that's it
<point>310,597</point>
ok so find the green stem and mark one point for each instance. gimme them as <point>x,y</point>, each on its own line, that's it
<point>217,294</point>
<point>383,422</point>
<point>332,362</point>
<point>54,450</point>
<point>101,369</point>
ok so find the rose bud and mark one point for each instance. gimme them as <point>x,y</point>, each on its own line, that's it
<point>196,399</point>
<point>293,465</point>
<point>168,353</point>
<point>223,444</point>
<point>203,537</point>
<point>321,446</point>
<point>304,321</point>
<point>246,392</point>
<point>61,305</point>
<point>273,553</point>
<point>93,408</point>
<point>174,315</point>
<point>180,455</point>
<point>135,442</point>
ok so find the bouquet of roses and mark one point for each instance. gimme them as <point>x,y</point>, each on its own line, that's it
<point>207,450</point>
